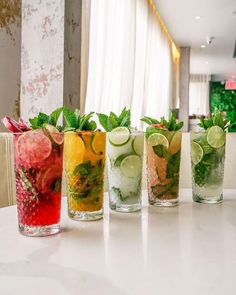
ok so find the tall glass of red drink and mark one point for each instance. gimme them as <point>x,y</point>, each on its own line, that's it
<point>38,169</point>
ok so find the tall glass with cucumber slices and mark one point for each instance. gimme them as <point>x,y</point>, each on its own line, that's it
<point>38,153</point>
<point>163,142</point>
<point>124,162</point>
<point>207,158</point>
<point>84,158</point>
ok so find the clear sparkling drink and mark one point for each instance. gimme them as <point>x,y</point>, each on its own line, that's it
<point>124,162</point>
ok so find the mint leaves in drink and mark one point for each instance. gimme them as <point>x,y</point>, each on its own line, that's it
<point>216,119</point>
<point>42,119</point>
<point>113,121</point>
<point>75,121</point>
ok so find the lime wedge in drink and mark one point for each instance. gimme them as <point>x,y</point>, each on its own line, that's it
<point>137,145</point>
<point>119,136</point>
<point>98,143</point>
<point>216,137</point>
<point>175,143</point>
<point>131,166</point>
<point>196,152</point>
<point>158,139</point>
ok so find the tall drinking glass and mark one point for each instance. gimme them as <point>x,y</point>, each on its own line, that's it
<point>207,167</point>
<point>125,156</point>
<point>38,168</point>
<point>84,153</point>
<point>163,163</point>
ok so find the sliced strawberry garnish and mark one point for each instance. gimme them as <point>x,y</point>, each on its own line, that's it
<point>159,126</point>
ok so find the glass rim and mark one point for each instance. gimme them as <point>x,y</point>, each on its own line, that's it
<point>132,132</point>
<point>84,131</point>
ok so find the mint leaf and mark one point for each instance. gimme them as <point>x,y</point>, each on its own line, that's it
<point>54,116</point>
<point>113,121</point>
<point>126,121</point>
<point>34,123</point>
<point>70,118</point>
<point>83,168</point>
<point>173,165</point>
<point>74,121</point>
<point>159,150</point>
<point>103,120</point>
<point>216,119</point>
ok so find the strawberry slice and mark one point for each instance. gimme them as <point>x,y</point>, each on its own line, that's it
<point>159,126</point>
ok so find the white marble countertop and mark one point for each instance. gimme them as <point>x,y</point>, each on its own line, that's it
<point>189,249</point>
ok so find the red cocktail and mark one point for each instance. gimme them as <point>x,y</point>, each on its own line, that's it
<point>38,167</point>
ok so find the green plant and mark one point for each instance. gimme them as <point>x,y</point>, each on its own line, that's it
<point>225,101</point>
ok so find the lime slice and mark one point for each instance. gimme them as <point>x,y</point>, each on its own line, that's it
<point>119,136</point>
<point>131,166</point>
<point>158,139</point>
<point>98,143</point>
<point>216,137</point>
<point>196,152</point>
<point>137,145</point>
<point>175,143</point>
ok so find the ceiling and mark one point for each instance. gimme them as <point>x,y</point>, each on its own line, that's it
<point>217,19</point>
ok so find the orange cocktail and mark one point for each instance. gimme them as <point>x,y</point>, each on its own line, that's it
<point>84,154</point>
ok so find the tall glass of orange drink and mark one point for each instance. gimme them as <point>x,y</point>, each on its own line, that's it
<point>84,158</point>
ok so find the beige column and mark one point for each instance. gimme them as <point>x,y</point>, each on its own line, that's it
<point>72,53</point>
<point>184,86</point>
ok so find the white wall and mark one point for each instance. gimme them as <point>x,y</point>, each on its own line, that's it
<point>42,56</point>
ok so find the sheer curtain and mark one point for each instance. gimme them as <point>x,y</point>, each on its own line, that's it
<point>199,95</point>
<point>130,61</point>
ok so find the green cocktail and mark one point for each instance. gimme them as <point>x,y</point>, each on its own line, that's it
<point>207,158</point>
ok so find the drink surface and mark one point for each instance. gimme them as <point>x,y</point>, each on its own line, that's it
<point>207,167</point>
<point>163,163</point>
<point>38,169</point>
<point>125,155</point>
<point>84,154</point>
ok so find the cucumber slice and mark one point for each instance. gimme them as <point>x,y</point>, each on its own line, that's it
<point>137,145</point>
<point>131,166</point>
<point>119,136</point>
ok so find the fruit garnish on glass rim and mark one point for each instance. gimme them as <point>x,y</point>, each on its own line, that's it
<point>118,126</point>
<point>14,126</point>
<point>162,124</point>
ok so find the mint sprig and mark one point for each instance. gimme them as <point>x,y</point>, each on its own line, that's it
<point>113,121</point>
<point>172,124</point>
<point>42,119</point>
<point>216,119</point>
<point>76,121</point>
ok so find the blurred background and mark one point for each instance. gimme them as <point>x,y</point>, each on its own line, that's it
<point>150,55</point>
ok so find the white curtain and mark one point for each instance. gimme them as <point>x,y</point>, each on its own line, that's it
<point>130,62</point>
<point>199,95</point>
